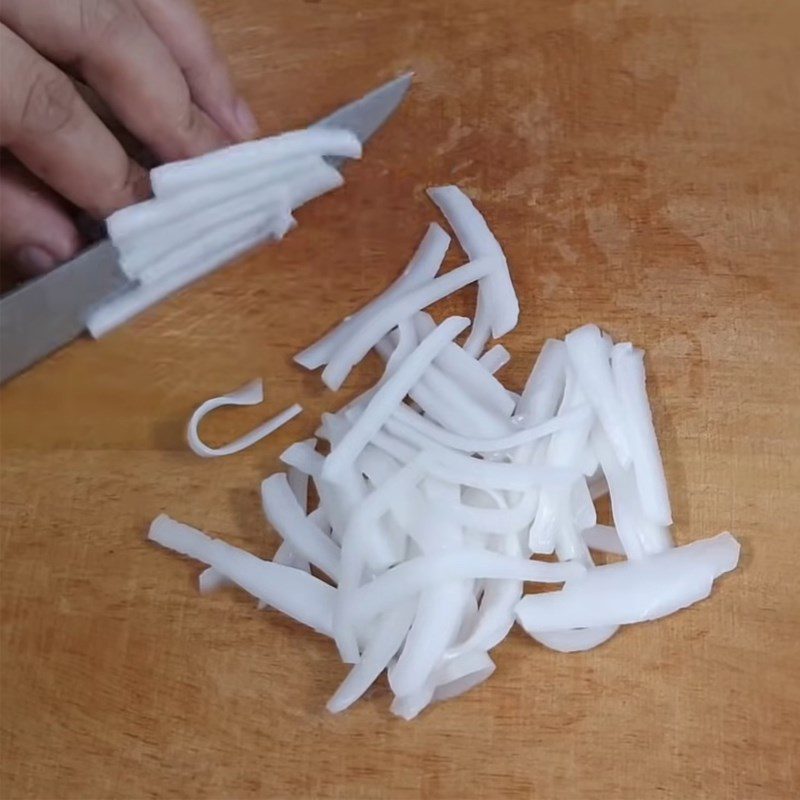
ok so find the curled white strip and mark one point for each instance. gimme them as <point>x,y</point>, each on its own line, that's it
<point>250,394</point>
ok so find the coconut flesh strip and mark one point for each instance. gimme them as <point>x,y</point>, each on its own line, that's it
<point>475,445</point>
<point>165,258</point>
<point>374,329</point>
<point>295,593</point>
<point>422,268</point>
<point>151,255</point>
<point>470,372</point>
<point>164,249</point>
<point>494,359</point>
<point>474,416</point>
<point>589,355</point>
<point>238,159</point>
<point>495,615</point>
<point>441,483</point>
<point>603,538</point>
<point>633,591</point>
<point>153,218</point>
<point>627,366</point>
<point>152,267</point>
<point>250,394</point>
<point>439,610</point>
<point>497,302</point>
<point>286,516</point>
<point>468,563</point>
<point>356,541</point>
<point>304,457</point>
<point>388,397</point>
<point>477,472</point>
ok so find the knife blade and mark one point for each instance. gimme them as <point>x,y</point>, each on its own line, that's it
<point>48,312</point>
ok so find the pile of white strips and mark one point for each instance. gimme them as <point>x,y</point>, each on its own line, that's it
<point>441,486</point>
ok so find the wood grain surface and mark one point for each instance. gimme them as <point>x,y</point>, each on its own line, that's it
<point>639,161</point>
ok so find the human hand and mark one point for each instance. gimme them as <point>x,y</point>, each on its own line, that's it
<point>154,65</point>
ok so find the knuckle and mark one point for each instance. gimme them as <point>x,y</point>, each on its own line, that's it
<point>189,128</point>
<point>131,186</point>
<point>105,21</point>
<point>189,122</point>
<point>48,105</point>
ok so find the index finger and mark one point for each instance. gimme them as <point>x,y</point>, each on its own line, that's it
<point>188,38</point>
<point>120,56</point>
<point>48,126</point>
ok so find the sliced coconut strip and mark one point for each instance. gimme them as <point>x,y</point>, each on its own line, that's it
<point>380,649</point>
<point>476,472</point>
<point>459,675</point>
<point>284,513</point>
<point>465,413</point>
<point>332,428</point>
<point>298,482</point>
<point>210,580</point>
<point>581,504</point>
<point>355,543</point>
<point>567,446</point>
<point>388,398</point>
<point>440,609</point>
<point>149,268</point>
<point>603,538</point>
<point>304,457</point>
<point>495,615</point>
<point>501,306</point>
<point>437,394</point>
<point>153,257</point>
<point>638,536</point>
<point>544,530</point>
<point>501,521</point>
<point>455,677</point>
<point>407,342</point>
<point>437,622</point>
<point>422,268</point>
<point>543,392</point>
<point>565,449</point>
<point>588,353</point>
<point>180,176</point>
<point>473,376</point>
<point>633,591</point>
<point>156,253</point>
<point>129,227</point>
<point>481,331</point>
<point>376,465</point>
<point>468,444</point>
<point>416,574</point>
<point>495,359</point>
<point>250,394</point>
<point>627,366</point>
<point>286,555</point>
<point>293,592</point>
<point>406,305</point>
<point>575,641</point>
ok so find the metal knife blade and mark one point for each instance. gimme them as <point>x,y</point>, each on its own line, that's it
<point>50,311</point>
<point>365,116</point>
<point>47,312</point>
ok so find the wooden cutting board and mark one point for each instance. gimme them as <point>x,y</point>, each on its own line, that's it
<point>639,162</point>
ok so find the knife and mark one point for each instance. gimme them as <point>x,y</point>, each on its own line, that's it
<point>48,312</point>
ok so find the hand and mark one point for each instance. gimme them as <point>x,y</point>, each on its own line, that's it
<point>154,65</point>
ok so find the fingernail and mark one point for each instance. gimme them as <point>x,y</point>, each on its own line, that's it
<point>34,259</point>
<point>245,121</point>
